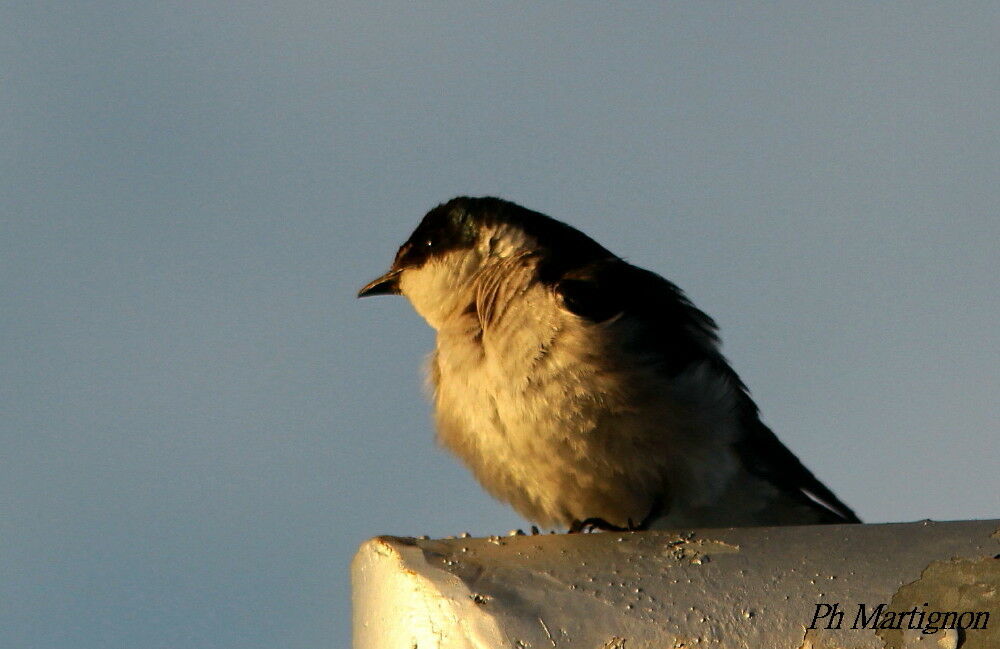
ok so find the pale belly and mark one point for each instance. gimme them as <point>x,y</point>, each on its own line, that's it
<point>563,431</point>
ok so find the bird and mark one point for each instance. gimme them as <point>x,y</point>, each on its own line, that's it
<point>586,392</point>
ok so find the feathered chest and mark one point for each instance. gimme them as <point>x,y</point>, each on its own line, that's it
<point>537,400</point>
<point>517,368</point>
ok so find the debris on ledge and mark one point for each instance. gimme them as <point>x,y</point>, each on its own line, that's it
<point>807,587</point>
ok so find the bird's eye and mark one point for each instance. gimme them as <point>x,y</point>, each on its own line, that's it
<point>429,243</point>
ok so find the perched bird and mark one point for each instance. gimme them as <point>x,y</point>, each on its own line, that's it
<point>584,391</point>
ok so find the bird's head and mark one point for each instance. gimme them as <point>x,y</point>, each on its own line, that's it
<point>435,268</point>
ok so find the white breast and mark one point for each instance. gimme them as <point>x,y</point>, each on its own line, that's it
<point>555,419</point>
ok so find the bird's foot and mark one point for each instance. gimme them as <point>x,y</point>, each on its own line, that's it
<point>594,523</point>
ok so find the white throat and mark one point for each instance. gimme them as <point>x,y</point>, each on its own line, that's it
<point>445,286</point>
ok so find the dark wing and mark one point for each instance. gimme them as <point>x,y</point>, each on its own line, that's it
<point>680,334</point>
<point>666,324</point>
<point>765,456</point>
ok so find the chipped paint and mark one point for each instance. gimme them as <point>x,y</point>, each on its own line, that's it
<point>695,552</point>
<point>961,586</point>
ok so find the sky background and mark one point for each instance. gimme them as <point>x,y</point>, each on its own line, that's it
<point>199,421</point>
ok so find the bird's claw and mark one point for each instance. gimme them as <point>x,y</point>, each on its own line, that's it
<point>593,523</point>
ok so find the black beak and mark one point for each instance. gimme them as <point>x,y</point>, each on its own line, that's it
<point>387,284</point>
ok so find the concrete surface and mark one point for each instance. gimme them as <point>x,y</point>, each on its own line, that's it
<point>739,588</point>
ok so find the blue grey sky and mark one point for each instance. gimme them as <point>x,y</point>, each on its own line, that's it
<point>200,423</point>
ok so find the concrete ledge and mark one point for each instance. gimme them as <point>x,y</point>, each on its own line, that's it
<point>759,588</point>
